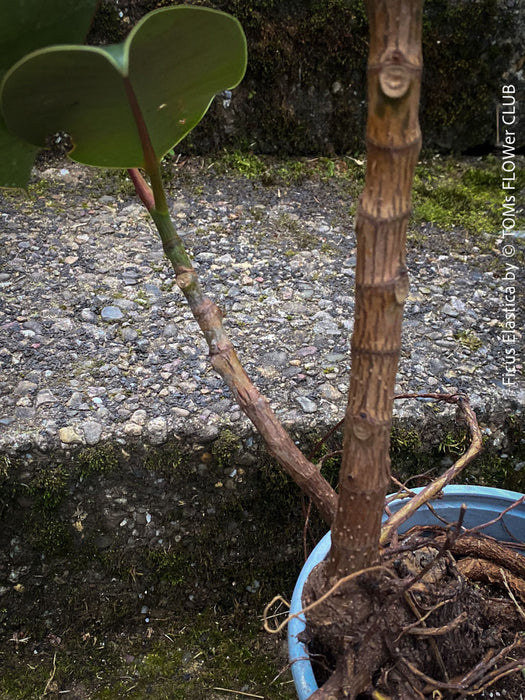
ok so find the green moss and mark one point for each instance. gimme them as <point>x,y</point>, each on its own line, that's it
<point>98,460</point>
<point>48,488</point>
<point>26,686</point>
<point>291,172</point>
<point>492,467</point>
<point>468,339</point>
<point>50,535</point>
<point>404,440</point>
<point>496,468</point>
<point>6,469</point>
<point>407,456</point>
<point>455,442</point>
<point>48,532</point>
<point>170,565</point>
<point>39,189</point>
<point>165,460</point>
<point>226,448</point>
<point>245,164</point>
<point>451,194</point>
<point>463,194</point>
<point>199,659</point>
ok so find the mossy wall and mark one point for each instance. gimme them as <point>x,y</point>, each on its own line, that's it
<point>137,571</point>
<point>305,87</point>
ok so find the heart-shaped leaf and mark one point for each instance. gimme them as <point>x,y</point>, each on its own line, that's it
<point>24,27</point>
<point>124,104</point>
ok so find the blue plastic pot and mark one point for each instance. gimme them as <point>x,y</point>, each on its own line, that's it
<point>483,504</point>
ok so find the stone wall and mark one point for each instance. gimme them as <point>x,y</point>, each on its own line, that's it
<point>304,91</point>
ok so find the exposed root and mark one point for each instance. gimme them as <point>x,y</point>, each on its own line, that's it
<point>422,630</point>
<point>341,582</point>
<point>483,570</point>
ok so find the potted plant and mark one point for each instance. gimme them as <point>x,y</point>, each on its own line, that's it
<point>483,508</point>
<point>126,106</point>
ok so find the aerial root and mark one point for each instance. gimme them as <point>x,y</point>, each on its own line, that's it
<point>325,596</point>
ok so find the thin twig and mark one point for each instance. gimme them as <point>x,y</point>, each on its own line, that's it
<point>432,490</point>
<point>477,528</point>
<point>52,675</point>
<point>511,594</point>
<point>240,692</point>
<point>328,455</point>
<point>315,449</point>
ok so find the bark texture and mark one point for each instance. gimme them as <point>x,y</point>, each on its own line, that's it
<point>346,623</point>
<point>393,145</point>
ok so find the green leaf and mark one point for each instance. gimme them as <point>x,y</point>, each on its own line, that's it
<point>124,105</point>
<point>26,26</point>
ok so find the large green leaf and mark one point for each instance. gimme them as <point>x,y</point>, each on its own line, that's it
<point>155,87</point>
<point>27,25</point>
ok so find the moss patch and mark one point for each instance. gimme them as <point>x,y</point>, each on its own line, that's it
<point>413,459</point>
<point>468,339</point>
<point>98,460</point>
<point>165,460</point>
<point>175,660</point>
<point>226,448</point>
<point>48,488</point>
<point>464,194</point>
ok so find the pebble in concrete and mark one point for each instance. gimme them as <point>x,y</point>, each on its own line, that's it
<point>111,313</point>
<point>69,435</point>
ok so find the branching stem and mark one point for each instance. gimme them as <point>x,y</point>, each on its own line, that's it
<point>223,357</point>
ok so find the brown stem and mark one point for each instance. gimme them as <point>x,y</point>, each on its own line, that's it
<point>225,361</point>
<point>393,144</point>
